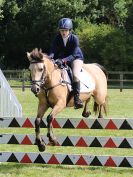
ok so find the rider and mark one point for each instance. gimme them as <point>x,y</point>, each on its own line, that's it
<point>65,50</point>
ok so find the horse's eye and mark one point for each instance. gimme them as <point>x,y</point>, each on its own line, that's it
<point>41,69</point>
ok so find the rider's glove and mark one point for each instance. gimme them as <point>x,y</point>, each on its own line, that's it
<point>51,56</point>
<point>59,62</point>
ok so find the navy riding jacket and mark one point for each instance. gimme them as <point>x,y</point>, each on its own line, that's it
<point>69,52</point>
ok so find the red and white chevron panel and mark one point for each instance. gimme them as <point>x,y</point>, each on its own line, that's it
<point>83,123</point>
<point>65,159</point>
<point>77,141</point>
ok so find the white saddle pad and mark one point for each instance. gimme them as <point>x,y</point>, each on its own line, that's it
<point>86,81</point>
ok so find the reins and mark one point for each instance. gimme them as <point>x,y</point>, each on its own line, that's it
<point>60,83</point>
<point>43,82</point>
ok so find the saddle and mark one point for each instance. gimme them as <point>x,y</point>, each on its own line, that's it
<point>86,81</point>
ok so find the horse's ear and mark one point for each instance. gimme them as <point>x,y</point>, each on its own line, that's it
<point>36,51</point>
<point>40,50</point>
<point>28,56</point>
<point>40,54</point>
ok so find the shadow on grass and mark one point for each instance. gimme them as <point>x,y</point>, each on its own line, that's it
<point>12,167</point>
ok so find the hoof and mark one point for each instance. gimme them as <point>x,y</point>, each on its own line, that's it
<point>41,145</point>
<point>100,117</point>
<point>78,106</point>
<point>86,114</point>
<point>53,142</point>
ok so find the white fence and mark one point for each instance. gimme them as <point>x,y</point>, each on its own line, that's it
<point>9,104</point>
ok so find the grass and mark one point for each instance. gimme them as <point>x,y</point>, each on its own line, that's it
<point>120,106</point>
<point>9,170</point>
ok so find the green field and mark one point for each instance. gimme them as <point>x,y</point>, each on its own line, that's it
<point>120,105</point>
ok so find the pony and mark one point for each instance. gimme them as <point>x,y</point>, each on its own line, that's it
<point>47,85</point>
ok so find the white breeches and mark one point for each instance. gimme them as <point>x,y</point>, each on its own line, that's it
<point>76,68</point>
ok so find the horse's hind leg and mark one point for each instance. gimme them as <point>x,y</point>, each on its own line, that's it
<point>85,112</point>
<point>100,109</point>
<point>100,115</point>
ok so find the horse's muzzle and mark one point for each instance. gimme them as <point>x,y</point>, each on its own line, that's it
<point>35,89</point>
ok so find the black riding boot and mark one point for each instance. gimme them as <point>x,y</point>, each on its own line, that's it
<point>76,91</point>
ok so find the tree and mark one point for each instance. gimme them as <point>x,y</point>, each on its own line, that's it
<point>129,20</point>
<point>106,45</point>
<point>32,23</point>
<point>1,11</point>
<point>9,11</point>
<point>112,12</point>
<point>26,24</point>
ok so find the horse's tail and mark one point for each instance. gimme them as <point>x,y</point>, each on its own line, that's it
<point>103,69</point>
<point>97,108</point>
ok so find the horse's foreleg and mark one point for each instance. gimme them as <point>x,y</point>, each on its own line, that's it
<point>85,112</point>
<point>39,141</point>
<point>57,108</point>
<point>50,134</point>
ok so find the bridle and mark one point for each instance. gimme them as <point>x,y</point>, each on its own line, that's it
<point>42,79</point>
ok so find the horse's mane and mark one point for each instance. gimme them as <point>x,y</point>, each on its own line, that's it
<point>38,55</point>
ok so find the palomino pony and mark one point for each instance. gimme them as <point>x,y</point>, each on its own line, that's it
<point>47,86</point>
